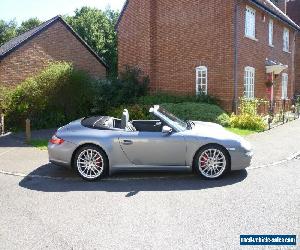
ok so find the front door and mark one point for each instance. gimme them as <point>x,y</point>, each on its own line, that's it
<point>154,148</point>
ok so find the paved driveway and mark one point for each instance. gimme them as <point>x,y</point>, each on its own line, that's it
<point>276,144</point>
<point>152,211</point>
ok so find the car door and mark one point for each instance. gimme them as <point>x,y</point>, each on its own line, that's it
<point>154,148</point>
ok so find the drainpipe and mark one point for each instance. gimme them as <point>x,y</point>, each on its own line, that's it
<point>235,70</point>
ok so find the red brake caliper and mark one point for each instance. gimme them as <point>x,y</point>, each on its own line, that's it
<point>203,161</point>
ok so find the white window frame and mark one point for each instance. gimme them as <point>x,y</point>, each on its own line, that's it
<point>249,82</point>
<point>250,22</point>
<point>286,40</point>
<point>271,32</point>
<point>201,80</point>
<point>284,86</point>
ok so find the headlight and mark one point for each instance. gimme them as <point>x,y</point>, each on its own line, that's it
<point>246,145</point>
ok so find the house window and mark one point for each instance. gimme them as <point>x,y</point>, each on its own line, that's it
<point>271,32</point>
<point>201,80</point>
<point>249,79</point>
<point>250,22</point>
<point>284,86</point>
<point>286,40</point>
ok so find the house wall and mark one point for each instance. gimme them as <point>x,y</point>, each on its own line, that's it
<point>297,64</point>
<point>293,11</point>
<point>56,43</point>
<point>180,36</point>
<point>134,45</point>
<point>254,53</point>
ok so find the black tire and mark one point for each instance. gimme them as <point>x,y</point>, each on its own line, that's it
<point>103,163</point>
<point>198,164</point>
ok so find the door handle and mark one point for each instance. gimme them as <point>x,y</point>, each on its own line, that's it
<point>127,142</point>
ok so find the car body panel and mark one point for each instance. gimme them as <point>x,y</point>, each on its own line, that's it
<point>139,150</point>
<point>154,148</point>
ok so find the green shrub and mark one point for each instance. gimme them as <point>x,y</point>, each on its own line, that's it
<point>136,112</point>
<point>115,92</point>
<point>56,95</point>
<point>247,121</point>
<point>223,120</point>
<point>60,94</point>
<point>248,117</point>
<point>195,111</point>
<point>160,98</point>
<point>185,111</point>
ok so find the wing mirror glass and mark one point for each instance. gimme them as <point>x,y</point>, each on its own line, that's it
<point>166,130</point>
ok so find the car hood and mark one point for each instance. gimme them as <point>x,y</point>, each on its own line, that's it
<point>212,130</point>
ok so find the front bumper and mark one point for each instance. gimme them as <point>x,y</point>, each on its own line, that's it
<point>240,159</point>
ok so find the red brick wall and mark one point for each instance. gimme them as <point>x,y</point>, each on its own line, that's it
<point>254,53</point>
<point>184,34</point>
<point>293,11</point>
<point>297,64</point>
<point>54,44</point>
<point>134,36</point>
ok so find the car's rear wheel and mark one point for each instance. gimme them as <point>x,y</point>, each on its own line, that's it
<point>90,163</point>
<point>212,162</point>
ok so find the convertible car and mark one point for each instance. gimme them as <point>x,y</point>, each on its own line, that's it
<point>101,145</point>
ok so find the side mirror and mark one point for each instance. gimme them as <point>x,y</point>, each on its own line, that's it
<point>166,130</point>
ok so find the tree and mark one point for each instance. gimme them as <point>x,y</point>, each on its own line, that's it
<point>97,28</point>
<point>7,31</point>
<point>28,25</point>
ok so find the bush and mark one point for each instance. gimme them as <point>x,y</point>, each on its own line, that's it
<point>224,120</point>
<point>136,112</point>
<point>115,92</point>
<point>247,121</point>
<point>195,111</point>
<point>56,95</point>
<point>60,94</point>
<point>160,98</point>
<point>248,117</point>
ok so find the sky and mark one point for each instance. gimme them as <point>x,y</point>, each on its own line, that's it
<point>21,10</point>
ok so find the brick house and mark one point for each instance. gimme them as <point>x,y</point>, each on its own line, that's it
<point>293,11</point>
<point>226,49</point>
<point>54,40</point>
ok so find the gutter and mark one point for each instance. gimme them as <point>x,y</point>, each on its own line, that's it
<point>274,14</point>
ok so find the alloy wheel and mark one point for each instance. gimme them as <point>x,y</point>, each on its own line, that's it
<point>212,163</point>
<point>90,164</point>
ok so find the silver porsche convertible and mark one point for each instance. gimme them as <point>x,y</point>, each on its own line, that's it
<point>101,145</point>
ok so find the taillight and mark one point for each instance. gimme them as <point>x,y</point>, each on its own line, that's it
<point>56,140</point>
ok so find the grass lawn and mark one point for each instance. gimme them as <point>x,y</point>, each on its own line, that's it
<point>242,132</point>
<point>39,143</point>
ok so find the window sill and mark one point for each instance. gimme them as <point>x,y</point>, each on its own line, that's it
<point>286,51</point>
<point>251,38</point>
<point>271,45</point>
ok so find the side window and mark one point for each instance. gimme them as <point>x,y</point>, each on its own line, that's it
<point>284,86</point>
<point>271,24</point>
<point>249,82</point>
<point>286,40</point>
<point>250,22</point>
<point>201,80</point>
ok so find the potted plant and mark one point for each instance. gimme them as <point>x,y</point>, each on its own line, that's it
<point>269,84</point>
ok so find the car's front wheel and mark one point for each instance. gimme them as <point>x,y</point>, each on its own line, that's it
<point>212,162</point>
<point>90,162</point>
